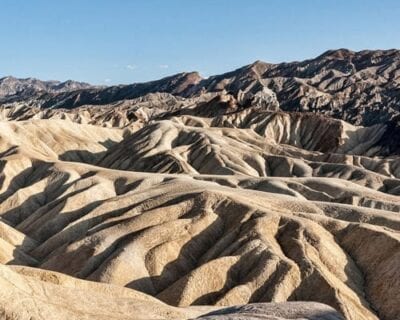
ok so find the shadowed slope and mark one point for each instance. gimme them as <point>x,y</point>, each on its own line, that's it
<point>229,209</point>
<point>38,294</point>
<point>192,242</point>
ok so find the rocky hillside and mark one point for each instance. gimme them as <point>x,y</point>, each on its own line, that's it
<point>219,198</point>
<point>358,87</point>
<point>13,89</point>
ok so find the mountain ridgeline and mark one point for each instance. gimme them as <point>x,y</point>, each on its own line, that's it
<point>362,88</point>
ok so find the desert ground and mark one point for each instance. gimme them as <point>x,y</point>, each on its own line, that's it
<point>269,192</point>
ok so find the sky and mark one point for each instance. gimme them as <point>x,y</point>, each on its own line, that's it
<point>124,41</point>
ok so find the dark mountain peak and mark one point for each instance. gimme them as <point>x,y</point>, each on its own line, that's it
<point>259,64</point>
<point>258,67</point>
<point>365,56</point>
<point>189,78</point>
<point>69,85</point>
<point>7,78</point>
<point>336,54</point>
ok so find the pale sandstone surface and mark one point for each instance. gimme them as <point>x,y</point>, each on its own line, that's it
<point>206,200</point>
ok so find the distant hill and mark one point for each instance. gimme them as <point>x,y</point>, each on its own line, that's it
<point>14,89</point>
<point>359,87</point>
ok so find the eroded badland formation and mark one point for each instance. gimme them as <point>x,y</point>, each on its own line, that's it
<point>269,192</point>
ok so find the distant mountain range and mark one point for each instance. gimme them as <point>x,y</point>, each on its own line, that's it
<point>362,88</point>
<point>13,89</point>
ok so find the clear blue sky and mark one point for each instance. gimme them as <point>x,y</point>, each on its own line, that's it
<point>125,41</point>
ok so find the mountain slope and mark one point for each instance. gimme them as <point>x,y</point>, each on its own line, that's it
<point>251,218</point>
<point>358,87</point>
<point>209,199</point>
<point>13,89</point>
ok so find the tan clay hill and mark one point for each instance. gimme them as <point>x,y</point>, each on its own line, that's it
<point>217,206</point>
